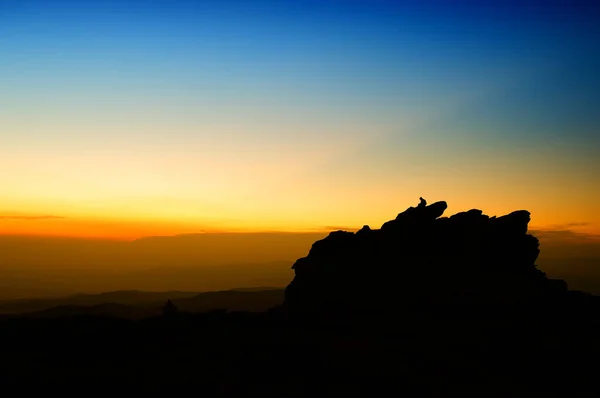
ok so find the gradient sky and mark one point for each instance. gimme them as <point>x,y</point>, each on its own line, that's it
<point>128,118</point>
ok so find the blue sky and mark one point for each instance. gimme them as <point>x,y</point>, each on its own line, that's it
<point>365,94</point>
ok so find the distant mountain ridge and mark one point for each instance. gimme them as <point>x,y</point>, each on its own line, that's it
<point>137,304</point>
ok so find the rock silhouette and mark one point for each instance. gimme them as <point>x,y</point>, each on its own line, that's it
<point>421,258</point>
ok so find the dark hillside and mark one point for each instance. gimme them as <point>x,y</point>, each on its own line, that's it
<point>424,306</point>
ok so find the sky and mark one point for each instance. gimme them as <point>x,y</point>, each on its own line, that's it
<point>123,119</point>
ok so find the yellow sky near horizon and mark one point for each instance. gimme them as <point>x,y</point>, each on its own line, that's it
<point>127,196</point>
<point>160,218</point>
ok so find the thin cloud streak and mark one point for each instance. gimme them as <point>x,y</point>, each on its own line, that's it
<point>565,235</point>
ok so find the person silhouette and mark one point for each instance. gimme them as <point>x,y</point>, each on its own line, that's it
<point>423,202</point>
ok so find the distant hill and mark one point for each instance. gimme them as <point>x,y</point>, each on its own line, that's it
<point>130,298</point>
<point>108,310</point>
<point>135,304</point>
<point>232,300</point>
<point>255,289</point>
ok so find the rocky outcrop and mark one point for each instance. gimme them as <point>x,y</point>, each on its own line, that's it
<point>422,257</point>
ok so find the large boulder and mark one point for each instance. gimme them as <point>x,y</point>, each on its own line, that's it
<point>420,257</point>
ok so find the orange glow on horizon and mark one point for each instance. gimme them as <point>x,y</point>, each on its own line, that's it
<point>125,230</point>
<point>131,229</point>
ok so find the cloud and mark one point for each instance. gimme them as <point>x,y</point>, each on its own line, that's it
<point>567,226</point>
<point>577,224</point>
<point>338,228</point>
<point>28,218</point>
<point>565,235</point>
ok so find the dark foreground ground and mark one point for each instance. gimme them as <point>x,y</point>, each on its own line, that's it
<point>549,350</point>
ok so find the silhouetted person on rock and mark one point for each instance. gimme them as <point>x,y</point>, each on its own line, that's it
<point>423,202</point>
